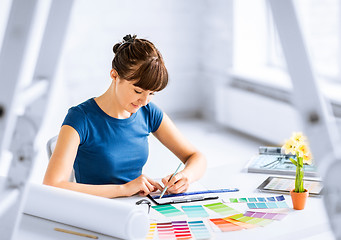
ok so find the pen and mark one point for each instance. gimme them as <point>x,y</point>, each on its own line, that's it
<point>76,233</point>
<point>165,189</point>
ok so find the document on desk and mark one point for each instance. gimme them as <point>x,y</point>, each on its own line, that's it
<point>181,199</point>
<point>187,197</point>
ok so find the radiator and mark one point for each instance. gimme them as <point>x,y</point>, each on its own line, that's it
<point>269,118</point>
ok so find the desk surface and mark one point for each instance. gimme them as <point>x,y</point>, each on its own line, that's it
<point>310,223</point>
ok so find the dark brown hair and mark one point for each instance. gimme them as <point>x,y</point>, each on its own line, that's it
<point>139,60</point>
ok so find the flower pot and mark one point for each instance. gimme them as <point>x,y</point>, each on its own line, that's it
<point>299,199</point>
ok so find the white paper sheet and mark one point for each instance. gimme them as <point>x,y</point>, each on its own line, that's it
<point>107,216</point>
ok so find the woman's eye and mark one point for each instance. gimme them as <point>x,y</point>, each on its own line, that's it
<point>152,93</point>
<point>137,92</point>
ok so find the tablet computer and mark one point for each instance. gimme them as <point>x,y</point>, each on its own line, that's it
<point>284,185</point>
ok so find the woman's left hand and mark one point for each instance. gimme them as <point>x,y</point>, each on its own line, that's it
<point>178,184</point>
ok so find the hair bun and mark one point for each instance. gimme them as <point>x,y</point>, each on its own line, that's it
<point>129,38</point>
<point>115,48</point>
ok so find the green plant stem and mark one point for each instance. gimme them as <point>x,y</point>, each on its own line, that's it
<point>299,175</point>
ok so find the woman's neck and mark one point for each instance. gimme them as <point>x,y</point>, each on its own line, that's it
<point>109,104</point>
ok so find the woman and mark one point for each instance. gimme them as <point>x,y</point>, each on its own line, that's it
<point>105,139</point>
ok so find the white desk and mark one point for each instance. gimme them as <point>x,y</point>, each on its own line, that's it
<point>310,223</point>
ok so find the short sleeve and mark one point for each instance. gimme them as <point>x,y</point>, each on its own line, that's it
<point>76,119</point>
<point>155,116</point>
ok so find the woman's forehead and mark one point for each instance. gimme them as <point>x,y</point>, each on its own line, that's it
<point>132,83</point>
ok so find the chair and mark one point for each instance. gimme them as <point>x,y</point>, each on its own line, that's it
<point>50,146</point>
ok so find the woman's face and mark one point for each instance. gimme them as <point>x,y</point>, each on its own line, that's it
<point>131,97</point>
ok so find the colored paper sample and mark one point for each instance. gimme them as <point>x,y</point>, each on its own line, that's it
<point>181,230</point>
<point>168,210</point>
<point>241,224</point>
<point>174,230</point>
<point>199,230</point>
<point>222,209</point>
<point>264,205</point>
<point>224,225</point>
<point>165,230</point>
<point>251,220</point>
<point>273,216</point>
<point>152,228</point>
<point>256,199</point>
<point>195,211</point>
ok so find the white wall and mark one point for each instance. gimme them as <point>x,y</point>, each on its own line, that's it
<point>216,51</point>
<point>193,36</point>
<point>97,25</point>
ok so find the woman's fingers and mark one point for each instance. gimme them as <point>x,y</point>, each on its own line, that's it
<point>145,185</point>
<point>149,185</point>
<point>179,186</point>
<point>144,190</point>
<point>155,185</point>
<point>165,180</point>
<point>178,183</point>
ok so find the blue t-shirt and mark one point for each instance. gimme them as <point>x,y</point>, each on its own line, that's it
<point>111,150</point>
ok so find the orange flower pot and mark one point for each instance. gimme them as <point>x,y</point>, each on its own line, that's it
<point>299,199</point>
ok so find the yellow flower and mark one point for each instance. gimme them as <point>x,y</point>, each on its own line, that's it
<point>298,137</point>
<point>302,149</point>
<point>290,146</point>
<point>297,145</point>
<point>307,158</point>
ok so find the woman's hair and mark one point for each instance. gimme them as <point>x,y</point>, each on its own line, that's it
<point>139,60</point>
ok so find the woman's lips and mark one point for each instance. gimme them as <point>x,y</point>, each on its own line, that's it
<point>135,106</point>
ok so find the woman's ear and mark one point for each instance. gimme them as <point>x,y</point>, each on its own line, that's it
<point>113,74</point>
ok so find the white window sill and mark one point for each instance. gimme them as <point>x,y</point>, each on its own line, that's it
<point>276,81</point>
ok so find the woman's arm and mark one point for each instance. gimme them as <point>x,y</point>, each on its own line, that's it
<point>195,162</point>
<point>61,164</point>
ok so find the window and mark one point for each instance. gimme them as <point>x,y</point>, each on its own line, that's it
<point>321,28</point>
<point>257,44</point>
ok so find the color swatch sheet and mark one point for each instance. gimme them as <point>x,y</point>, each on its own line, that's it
<point>222,209</point>
<point>195,211</point>
<point>225,226</point>
<point>165,230</point>
<point>255,199</point>
<point>199,230</point>
<point>273,216</point>
<point>251,220</point>
<point>268,205</point>
<point>152,228</point>
<point>182,230</point>
<point>168,210</point>
<point>241,224</point>
<point>183,227</point>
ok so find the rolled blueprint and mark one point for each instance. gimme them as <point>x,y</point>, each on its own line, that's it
<point>107,216</point>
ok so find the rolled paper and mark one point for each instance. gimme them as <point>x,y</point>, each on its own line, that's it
<point>98,214</point>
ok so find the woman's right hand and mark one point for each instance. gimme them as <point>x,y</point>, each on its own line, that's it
<point>142,185</point>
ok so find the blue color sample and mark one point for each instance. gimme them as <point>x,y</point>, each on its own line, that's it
<point>195,211</point>
<point>272,205</point>
<point>280,198</point>
<point>252,205</point>
<point>261,205</point>
<point>271,199</point>
<point>282,204</point>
